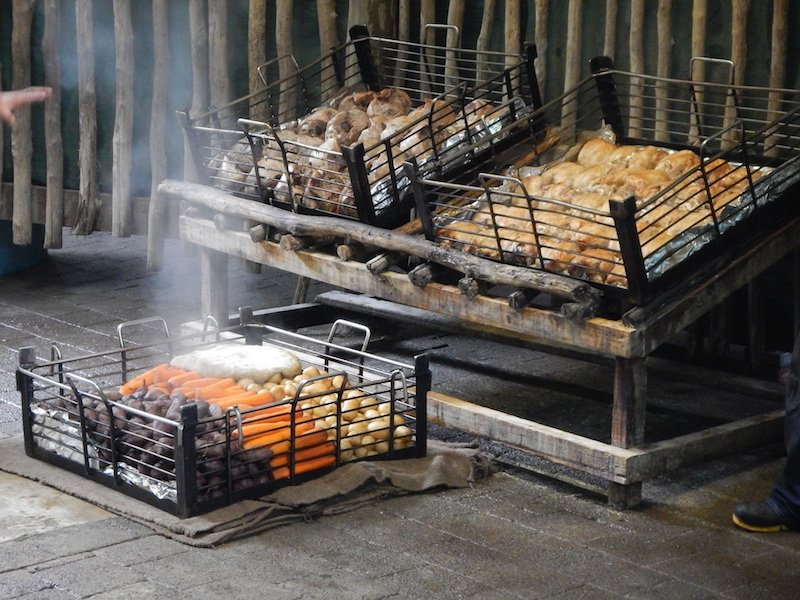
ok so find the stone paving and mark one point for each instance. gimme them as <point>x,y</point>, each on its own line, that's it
<point>513,535</point>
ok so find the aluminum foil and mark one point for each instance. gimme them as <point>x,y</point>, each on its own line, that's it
<point>54,431</point>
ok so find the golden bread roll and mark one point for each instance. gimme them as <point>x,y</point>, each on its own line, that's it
<point>678,163</point>
<point>595,151</point>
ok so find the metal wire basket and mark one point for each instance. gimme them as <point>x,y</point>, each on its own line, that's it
<point>693,163</point>
<point>193,457</point>
<point>261,147</point>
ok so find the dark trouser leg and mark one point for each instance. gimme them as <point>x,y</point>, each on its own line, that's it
<point>785,496</point>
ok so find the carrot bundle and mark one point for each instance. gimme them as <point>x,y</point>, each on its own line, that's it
<point>305,466</point>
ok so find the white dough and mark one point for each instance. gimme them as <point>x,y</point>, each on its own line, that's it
<point>238,361</point>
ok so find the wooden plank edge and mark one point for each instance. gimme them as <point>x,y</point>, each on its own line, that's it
<point>569,449</point>
<point>651,460</point>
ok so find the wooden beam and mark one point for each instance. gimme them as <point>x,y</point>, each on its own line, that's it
<point>565,448</point>
<point>602,336</point>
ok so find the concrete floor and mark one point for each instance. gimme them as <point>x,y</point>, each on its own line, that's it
<point>514,535</point>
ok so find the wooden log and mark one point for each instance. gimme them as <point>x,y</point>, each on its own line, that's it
<point>699,18</point>
<point>427,16</point>
<point>777,66</point>
<point>390,241</point>
<point>455,19</point>
<point>21,137</point>
<point>471,287</point>
<point>122,141</point>
<point>156,217</point>
<point>540,39</point>
<point>572,71</point>
<point>422,275</point>
<point>740,8</point>
<point>663,68</point>
<point>249,265</point>
<point>286,66</point>
<point>513,36</point>
<point>483,44</point>
<point>404,20</point>
<point>258,233</point>
<point>610,30</point>
<point>328,40</point>
<point>87,120</point>
<point>256,46</point>
<point>214,288</point>
<point>384,261</point>
<point>198,37</point>
<point>218,75</point>
<point>636,43</point>
<point>301,290</point>
<point>54,146</point>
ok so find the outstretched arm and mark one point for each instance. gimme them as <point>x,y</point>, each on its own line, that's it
<point>10,101</point>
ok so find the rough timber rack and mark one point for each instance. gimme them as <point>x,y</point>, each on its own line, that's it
<point>213,221</point>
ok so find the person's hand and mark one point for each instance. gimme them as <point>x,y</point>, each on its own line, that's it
<point>10,101</point>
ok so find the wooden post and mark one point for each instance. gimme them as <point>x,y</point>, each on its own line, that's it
<point>636,42</point>
<point>777,68</point>
<point>214,285</point>
<point>610,32</point>
<point>121,210</point>
<point>286,66</point>
<point>699,17</point>
<point>628,421</point>
<point>572,71</point>
<point>156,229</point>
<point>455,18</point>
<point>739,58</point>
<point>663,68</point>
<point>219,78</point>
<point>404,20</point>
<point>484,41</point>
<point>328,40</point>
<point>21,140</point>
<point>198,33</point>
<point>427,16</point>
<point>54,146</point>
<point>88,202</point>
<point>256,53</point>
<point>542,17</point>
<point>512,31</point>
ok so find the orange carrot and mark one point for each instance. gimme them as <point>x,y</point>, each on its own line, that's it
<point>305,466</point>
<point>279,460</point>
<point>197,383</point>
<point>178,380</point>
<point>164,375</point>
<point>252,429</point>
<point>226,387</point>
<point>277,435</point>
<point>244,399</point>
<point>313,437</point>
<point>143,379</point>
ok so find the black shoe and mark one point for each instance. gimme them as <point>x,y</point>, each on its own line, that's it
<point>759,517</point>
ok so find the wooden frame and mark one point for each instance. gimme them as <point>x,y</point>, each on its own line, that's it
<point>624,463</point>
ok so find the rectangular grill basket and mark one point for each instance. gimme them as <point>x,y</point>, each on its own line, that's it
<point>745,144</point>
<point>188,460</point>
<point>251,147</point>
